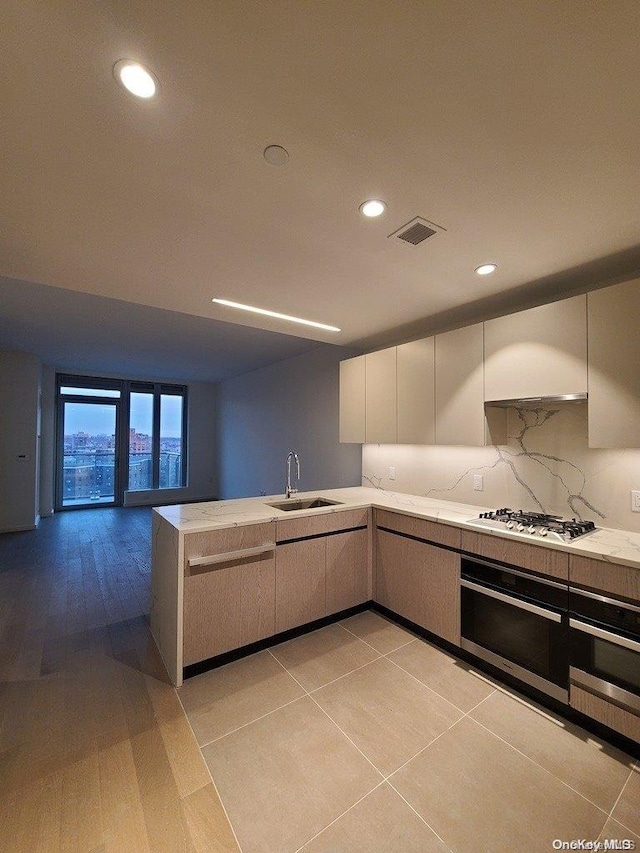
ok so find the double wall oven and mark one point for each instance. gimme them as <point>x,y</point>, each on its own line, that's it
<point>545,632</point>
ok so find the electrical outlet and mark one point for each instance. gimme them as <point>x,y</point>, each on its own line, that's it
<point>392,473</point>
<point>478,484</point>
<point>635,500</point>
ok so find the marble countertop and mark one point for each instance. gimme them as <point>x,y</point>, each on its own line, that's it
<point>616,546</point>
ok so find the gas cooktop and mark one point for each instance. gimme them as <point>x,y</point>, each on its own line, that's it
<point>535,524</point>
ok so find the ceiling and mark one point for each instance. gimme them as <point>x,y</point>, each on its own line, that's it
<point>512,126</point>
<point>95,334</point>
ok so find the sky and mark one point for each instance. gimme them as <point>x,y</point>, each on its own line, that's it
<point>100,418</point>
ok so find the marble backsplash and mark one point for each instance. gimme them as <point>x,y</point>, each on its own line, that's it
<point>545,466</point>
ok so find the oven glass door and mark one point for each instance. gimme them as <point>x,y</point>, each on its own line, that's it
<point>606,659</point>
<point>532,641</point>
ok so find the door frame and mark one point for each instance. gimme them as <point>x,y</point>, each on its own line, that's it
<point>117,403</point>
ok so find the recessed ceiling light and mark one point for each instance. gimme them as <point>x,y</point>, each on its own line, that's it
<point>373,207</point>
<point>486,269</point>
<point>135,78</point>
<point>276,155</point>
<point>275,314</point>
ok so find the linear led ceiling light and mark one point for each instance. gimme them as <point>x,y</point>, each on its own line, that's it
<point>135,78</point>
<point>275,314</point>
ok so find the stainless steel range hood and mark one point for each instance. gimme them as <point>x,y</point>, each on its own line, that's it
<point>538,401</point>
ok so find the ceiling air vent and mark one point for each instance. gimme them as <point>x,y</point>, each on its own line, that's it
<point>416,231</point>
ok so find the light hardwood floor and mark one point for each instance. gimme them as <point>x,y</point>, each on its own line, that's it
<point>96,754</point>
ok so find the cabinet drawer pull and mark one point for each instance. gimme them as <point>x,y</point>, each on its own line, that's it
<point>231,556</point>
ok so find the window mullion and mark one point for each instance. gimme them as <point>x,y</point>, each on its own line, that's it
<point>155,456</point>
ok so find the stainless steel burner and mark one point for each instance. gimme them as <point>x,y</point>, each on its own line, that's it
<point>535,524</point>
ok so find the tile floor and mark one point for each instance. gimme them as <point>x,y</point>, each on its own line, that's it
<point>362,737</point>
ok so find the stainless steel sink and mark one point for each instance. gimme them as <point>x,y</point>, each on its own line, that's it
<point>294,504</point>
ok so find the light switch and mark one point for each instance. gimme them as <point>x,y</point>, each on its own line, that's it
<point>635,500</point>
<point>392,473</point>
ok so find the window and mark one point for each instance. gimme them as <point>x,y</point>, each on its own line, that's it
<point>115,435</point>
<point>171,422</point>
<point>141,440</point>
<point>157,430</point>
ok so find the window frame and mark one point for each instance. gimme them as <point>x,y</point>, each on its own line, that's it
<point>125,386</point>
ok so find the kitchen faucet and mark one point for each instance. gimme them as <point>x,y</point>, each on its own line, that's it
<point>291,455</point>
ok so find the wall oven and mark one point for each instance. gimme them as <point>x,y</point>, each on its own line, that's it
<point>605,648</point>
<point>517,622</point>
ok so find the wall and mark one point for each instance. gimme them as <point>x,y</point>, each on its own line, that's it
<point>202,479</point>
<point>19,439</point>
<point>545,466</point>
<point>291,405</point>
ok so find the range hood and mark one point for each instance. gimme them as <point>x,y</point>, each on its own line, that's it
<point>535,401</point>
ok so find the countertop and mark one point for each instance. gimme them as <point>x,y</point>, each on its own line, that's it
<point>615,546</point>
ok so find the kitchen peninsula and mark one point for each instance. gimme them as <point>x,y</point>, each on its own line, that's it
<point>228,575</point>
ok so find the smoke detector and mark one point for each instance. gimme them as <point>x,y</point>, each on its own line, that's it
<point>416,231</point>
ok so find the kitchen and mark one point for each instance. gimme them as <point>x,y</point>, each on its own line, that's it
<point>522,153</point>
<point>246,576</point>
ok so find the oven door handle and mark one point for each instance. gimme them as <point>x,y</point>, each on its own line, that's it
<point>605,690</point>
<point>616,639</point>
<point>516,602</point>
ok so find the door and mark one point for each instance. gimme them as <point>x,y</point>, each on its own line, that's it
<point>87,453</point>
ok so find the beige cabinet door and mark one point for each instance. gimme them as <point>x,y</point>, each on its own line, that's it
<point>228,606</point>
<point>380,397</point>
<point>614,358</point>
<point>396,576</point>
<point>440,592</point>
<point>300,583</point>
<point>352,400</point>
<point>420,582</point>
<point>347,578</point>
<point>460,413</point>
<point>540,352</point>
<point>416,392</point>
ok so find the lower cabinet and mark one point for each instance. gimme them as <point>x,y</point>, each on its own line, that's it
<point>419,581</point>
<point>246,587</point>
<point>347,577</point>
<point>300,583</point>
<point>318,576</point>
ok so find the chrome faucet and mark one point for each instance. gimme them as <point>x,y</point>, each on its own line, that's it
<point>290,491</point>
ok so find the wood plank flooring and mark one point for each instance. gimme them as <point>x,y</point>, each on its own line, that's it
<point>96,754</point>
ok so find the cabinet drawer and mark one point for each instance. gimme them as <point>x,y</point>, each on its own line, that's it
<point>442,534</point>
<point>314,525</point>
<point>604,712</point>
<point>545,561</point>
<point>605,577</point>
<point>229,540</point>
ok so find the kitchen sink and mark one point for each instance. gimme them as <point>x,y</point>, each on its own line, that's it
<point>294,504</point>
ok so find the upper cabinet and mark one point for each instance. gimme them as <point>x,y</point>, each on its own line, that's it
<point>435,390</point>
<point>460,412</point>
<point>416,392</point>
<point>380,397</point>
<point>387,397</point>
<point>614,355</point>
<point>352,400</point>
<point>541,352</point>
